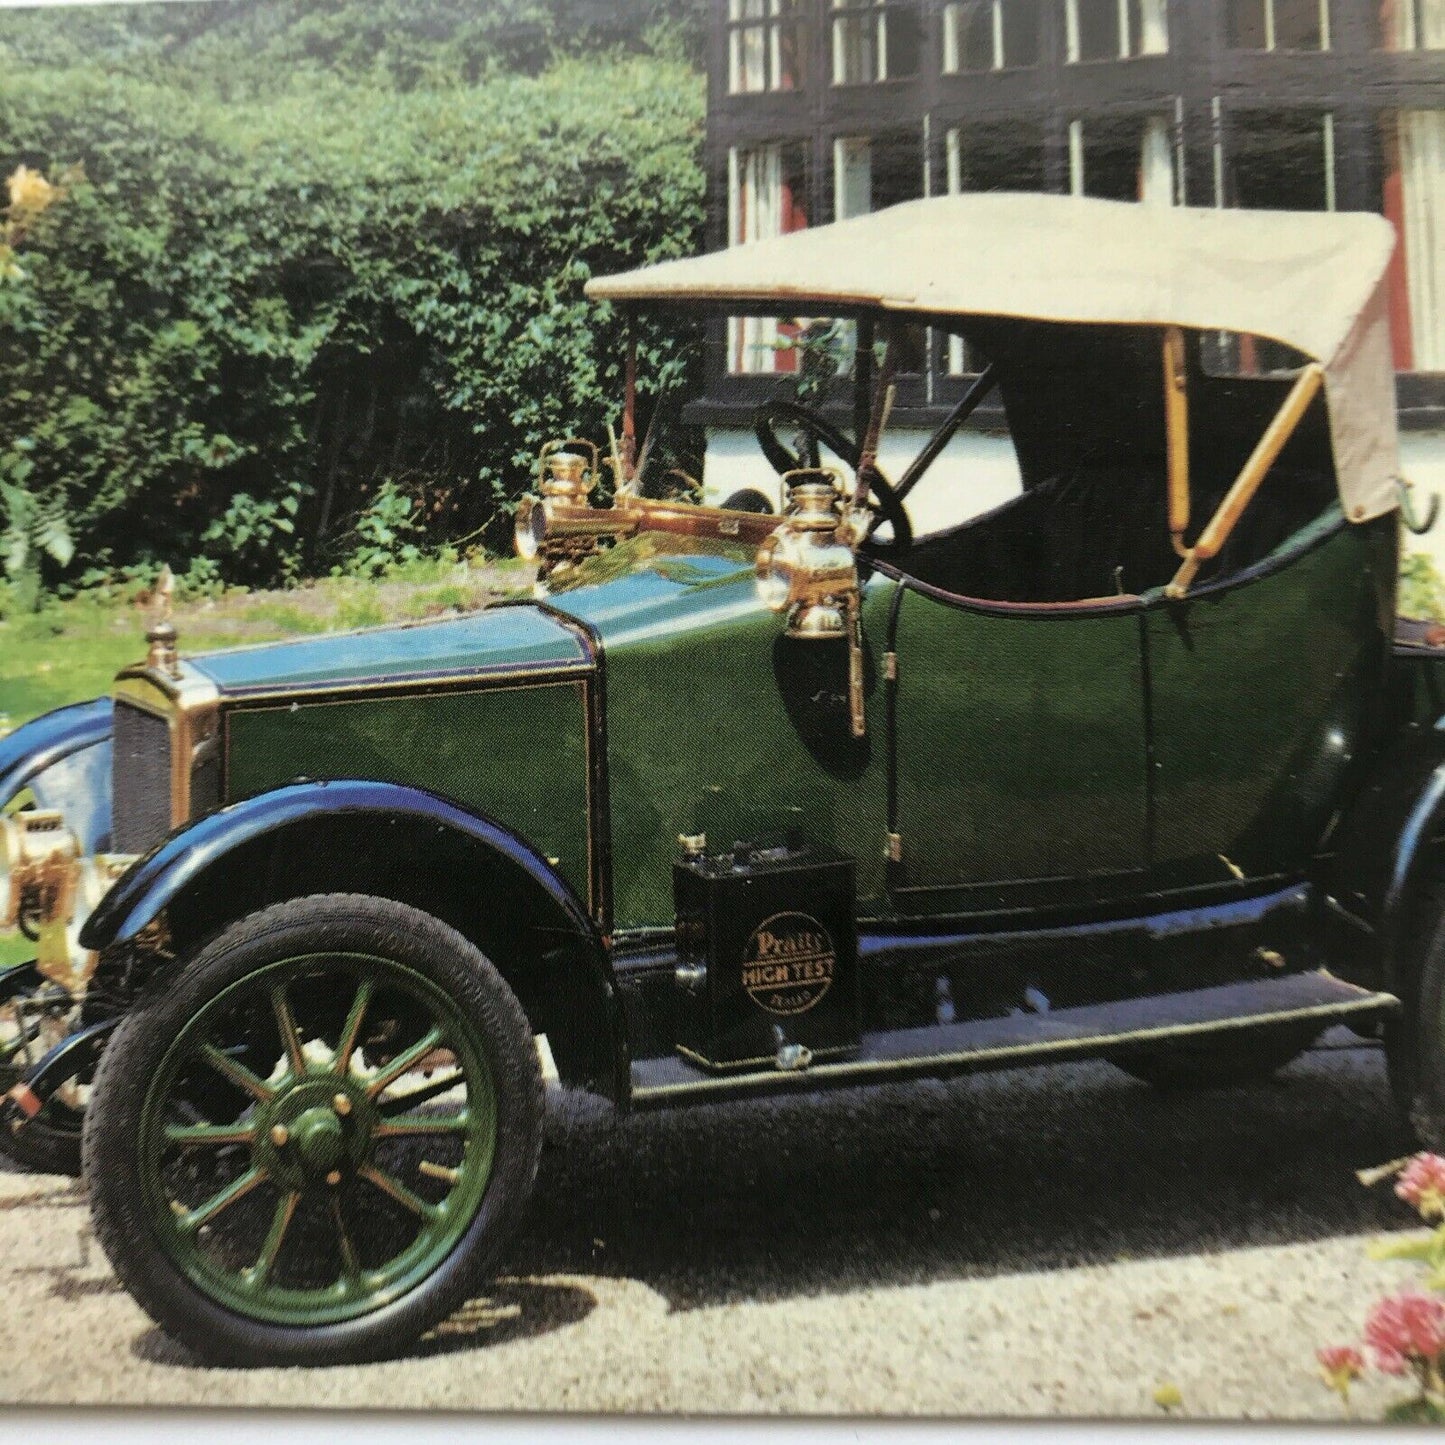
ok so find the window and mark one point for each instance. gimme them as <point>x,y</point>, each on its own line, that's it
<point>994,156</point>
<point>1282,160</point>
<point>1412,24</point>
<point>1123,158</point>
<point>1115,29</point>
<point>869,173</point>
<point>1276,161</point>
<point>767,45</point>
<point>875,41</point>
<point>990,34</point>
<point>1415,203</point>
<point>767,190</point>
<point>1278,24</point>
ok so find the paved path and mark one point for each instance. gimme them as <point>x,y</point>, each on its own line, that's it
<point>1056,1241</point>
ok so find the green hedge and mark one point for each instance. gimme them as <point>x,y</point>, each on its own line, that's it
<point>279,299</point>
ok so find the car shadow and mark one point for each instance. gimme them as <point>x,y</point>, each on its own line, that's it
<point>510,1310</point>
<point>1026,1171</point>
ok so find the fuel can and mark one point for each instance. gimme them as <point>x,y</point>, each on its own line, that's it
<point>767,944</point>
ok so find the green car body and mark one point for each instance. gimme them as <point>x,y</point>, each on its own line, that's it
<point>1089,775</point>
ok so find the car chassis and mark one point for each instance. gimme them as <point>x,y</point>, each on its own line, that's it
<point>1082,777</point>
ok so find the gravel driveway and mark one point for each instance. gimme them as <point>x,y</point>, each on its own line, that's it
<point>1041,1242</point>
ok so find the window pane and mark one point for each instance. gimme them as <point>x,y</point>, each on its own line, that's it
<point>997,157</point>
<point>1412,24</point>
<point>1297,25</point>
<point>1278,160</point>
<point>1245,24</point>
<point>903,37</point>
<point>768,197</point>
<point>852,177</point>
<point>1148,27</point>
<point>791,47</point>
<point>855,47</point>
<point>969,30</point>
<point>1020,33</point>
<point>1096,29</point>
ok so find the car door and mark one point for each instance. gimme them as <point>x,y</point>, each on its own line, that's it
<point>1019,752</point>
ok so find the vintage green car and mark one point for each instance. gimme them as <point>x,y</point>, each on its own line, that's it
<point>1131,766</point>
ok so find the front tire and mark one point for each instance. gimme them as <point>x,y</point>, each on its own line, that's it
<point>308,1145</point>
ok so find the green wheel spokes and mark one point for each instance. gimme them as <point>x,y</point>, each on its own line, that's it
<point>318,1138</point>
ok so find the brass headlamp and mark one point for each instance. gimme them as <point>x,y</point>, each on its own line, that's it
<point>807,568</point>
<point>559,523</point>
<point>49,889</point>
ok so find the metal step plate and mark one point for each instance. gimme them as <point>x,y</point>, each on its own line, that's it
<point>1032,1038</point>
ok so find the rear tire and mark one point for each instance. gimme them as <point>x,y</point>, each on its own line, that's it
<point>1219,1063</point>
<point>46,1144</point>
<point>33,1020</point>
<point>308,1143</point>
<point>1415,1038</point>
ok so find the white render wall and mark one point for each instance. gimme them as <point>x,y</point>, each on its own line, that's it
<point>975,472</point>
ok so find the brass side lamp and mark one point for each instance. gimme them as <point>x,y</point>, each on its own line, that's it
<point>808,570</point>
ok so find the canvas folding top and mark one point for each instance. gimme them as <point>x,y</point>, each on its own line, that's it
<point>1310,280</point>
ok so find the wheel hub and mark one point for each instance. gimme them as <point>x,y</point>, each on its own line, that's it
<point>313,1131</point>
<point>319,1142</point>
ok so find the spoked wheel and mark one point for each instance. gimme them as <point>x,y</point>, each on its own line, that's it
<point>308,1145</point>
<point>32,1021</point>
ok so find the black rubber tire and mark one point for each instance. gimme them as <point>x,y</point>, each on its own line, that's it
<point>46,1144</point>
<point>1415,1038</point>
<point>749,499</point>
<point>1221,1064</point>
<point>112,1128</point>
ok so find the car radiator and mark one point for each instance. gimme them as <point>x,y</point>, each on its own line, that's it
<point>140,778</point>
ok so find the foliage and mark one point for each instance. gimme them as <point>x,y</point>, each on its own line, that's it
<point>327,254</point>
<point>1422,592</point>
<point>1405,1332</point>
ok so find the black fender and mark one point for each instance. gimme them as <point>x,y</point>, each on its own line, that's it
<point>65,758</point>
<point>390,841</point>
<point>76,1055</point>
<point>1388,844</point>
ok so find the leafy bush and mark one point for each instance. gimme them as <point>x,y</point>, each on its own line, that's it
<point>329,253</point>
<point>1422,593</point>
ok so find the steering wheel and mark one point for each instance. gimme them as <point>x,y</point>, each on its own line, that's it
<point>884,502</point>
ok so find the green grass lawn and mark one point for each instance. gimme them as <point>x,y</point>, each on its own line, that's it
<point>70,651</point>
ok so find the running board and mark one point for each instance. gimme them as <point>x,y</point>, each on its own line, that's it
<point>1055,1037</point>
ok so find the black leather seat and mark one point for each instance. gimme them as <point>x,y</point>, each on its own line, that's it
<point>1102,531</point>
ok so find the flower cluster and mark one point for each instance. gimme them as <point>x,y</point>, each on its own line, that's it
<point>1405,1333</point>
<point>1422,1185</point>
<point>1340,1367</point>
<point>31,195</point>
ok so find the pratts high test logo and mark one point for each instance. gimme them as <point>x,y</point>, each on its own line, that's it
<point>788,963</point>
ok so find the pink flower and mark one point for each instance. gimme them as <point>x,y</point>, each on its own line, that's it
<point>1422,1184</point>
<point>1339,1365</point>
<point>1405,1329</point>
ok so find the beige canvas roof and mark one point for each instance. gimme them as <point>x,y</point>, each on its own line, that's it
<point>1312,281</point>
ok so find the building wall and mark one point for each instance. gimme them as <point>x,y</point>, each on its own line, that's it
<point>821,108</point>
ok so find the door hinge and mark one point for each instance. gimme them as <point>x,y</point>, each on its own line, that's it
<point>893,847</point>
